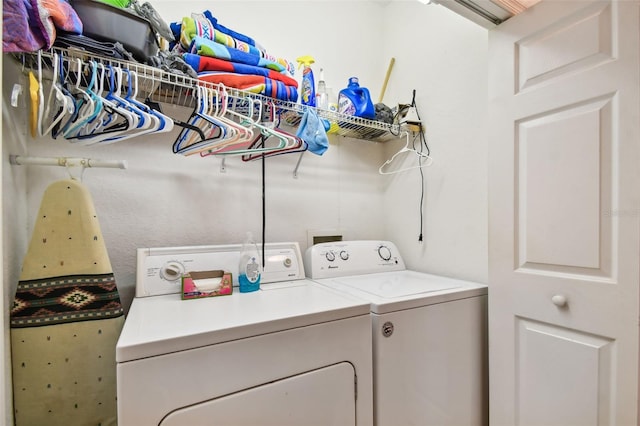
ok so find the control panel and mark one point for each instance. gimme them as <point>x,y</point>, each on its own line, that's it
<point>344,258</point>
<point>160,270</point>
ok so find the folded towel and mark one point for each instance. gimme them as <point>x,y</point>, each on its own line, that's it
<point>206,47</point>
<point>252,83</point>
<point>206,63</point>
<point>236,35</point>
<point>198,25</point>
<point>30,25</point>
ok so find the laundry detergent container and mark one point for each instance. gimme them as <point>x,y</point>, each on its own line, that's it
<point>104,22</point>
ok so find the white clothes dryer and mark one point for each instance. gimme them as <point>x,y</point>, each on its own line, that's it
<point>430,354</point>
<point>292,353</point>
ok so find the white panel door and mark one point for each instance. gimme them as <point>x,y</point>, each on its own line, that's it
<point>564,215</point>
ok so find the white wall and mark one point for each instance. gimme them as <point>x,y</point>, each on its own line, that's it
<point>163,199</point>
<point>444,57</point>
<point>14,211</point>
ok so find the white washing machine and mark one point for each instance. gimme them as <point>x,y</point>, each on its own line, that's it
<point>292,353</point>
<point>429,334</point>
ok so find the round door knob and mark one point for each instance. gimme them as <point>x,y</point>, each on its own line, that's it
<point>559,300</point>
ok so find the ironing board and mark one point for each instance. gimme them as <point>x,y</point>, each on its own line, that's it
<point>66,317</point>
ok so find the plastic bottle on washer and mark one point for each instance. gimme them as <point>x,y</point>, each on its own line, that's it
<point>249,269</point>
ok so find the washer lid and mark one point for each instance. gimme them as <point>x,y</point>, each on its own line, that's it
<point>395,285</point>
<point>164,324</point>
<point>394,291</point>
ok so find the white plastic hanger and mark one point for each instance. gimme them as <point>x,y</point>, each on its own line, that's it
<point>112,120</point>
<point>87,105</point>
<point>428,160</point>
<point>57,100</point>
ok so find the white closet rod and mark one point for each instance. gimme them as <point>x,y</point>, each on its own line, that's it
<point>20,160</point>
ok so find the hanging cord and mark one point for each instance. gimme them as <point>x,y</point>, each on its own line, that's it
<point>423,147</point>
<point>264,210</point>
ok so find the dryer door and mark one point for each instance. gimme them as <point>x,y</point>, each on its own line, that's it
<point>322,397</point>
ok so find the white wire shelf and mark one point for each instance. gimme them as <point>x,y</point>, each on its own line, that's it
<point>178,89</point>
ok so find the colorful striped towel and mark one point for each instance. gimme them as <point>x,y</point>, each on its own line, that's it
<point>205,47</point>
<point>236,35</point>
<point>202,26</point>
<point>252,83</point>
<point>206,63</point>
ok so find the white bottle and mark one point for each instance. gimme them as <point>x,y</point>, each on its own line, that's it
<point>249,269</point>
<point>322,97</point>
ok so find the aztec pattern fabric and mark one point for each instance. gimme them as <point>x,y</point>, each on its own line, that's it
<point>65,299</point>
<point>66,317</point>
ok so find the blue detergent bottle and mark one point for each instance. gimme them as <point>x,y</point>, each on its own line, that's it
<point>355,100</point>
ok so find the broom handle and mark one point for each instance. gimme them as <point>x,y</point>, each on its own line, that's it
<point>386,79</point>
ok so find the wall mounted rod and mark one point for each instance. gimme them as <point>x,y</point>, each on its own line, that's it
<point>20,160</point>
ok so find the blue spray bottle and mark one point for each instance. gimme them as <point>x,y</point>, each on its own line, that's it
<point>307,88</point>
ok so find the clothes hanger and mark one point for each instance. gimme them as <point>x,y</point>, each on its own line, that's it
<point>406,149</point>
<point>116,120</point>
<point>111,113</point>
<point>156,107</point>
<point>295,144</point>
<point>97,104</point>
<point>152,122</point>
<point>58,100</point>
<point>165,122</point>
<point>64,81</point>
<point>245,147</point>
<point>236,132</point>
<point>212,127</point>
<point>85,105</point>
<point>40,94</point>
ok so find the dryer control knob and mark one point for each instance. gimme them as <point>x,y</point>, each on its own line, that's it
<point>172,271</point>
<point>331,256</point>
<point>344,255</point>
<point>384,252</point>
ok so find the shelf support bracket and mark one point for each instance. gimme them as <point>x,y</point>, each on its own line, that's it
<point>295,171</point>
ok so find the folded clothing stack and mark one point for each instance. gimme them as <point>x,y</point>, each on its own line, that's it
<point>28,26</point>
<point>221,55</point>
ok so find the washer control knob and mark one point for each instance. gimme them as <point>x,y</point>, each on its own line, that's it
<point>172,271</point>
<point>331,256</point>
<point>384,252</point>
<point>344,255</point>
<point>288,262</point>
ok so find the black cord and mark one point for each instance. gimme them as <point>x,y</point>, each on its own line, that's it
<point>420,159</point>
<point>423,146</point>
<point>264,210</point>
